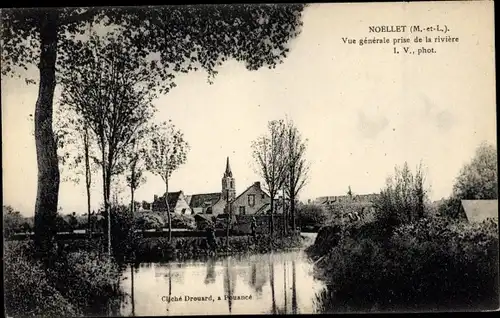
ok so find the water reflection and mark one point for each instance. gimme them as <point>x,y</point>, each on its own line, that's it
<point>210,279</point>
<point>278,283</point>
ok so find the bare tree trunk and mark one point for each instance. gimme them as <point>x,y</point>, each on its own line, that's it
<point>88,178</point>
<point>132,203</point>
<point>107,205</point>
<point>272,214</point>
<point>46,150</point>
<point>292,210</point>
<point>284,212</point>
<point>168,211</point>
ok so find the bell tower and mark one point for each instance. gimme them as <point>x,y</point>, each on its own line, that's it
<point>228,186</point>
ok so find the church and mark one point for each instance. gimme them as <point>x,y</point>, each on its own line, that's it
<point>252,201</point>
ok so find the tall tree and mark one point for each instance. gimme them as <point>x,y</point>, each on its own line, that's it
<point>135,177</point>
<point>403,197</point>
<point>186,38</point>
<point>478,179</point>
<point>297,166</point>
<point>269,153</point>
<point>38,37</point>
<point>112,93</point>
<point>166,152</point>
<point>76,145</point>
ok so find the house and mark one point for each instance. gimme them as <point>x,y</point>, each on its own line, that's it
<point>339,199</point>
<point>176,202</point>
<point>254,200</point>
<point>354,206</point>
<point>479,210</point>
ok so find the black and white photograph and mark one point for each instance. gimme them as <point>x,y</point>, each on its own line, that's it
<point>249,159</point>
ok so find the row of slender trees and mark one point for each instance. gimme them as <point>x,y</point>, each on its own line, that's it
<point>104,121</point>
<point>176,38</point>
<point>280,160</point>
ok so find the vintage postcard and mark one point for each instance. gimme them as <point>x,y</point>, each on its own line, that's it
<point>249,159</point>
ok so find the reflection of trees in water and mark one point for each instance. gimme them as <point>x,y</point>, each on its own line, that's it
<point>294,289</point>
<point>258,277</point>
<point>210,278</point>
<point>271,280</point>
<point>169,286</point>
<point>285,290</point>
<point>229,282</point>
<point>132,289</point>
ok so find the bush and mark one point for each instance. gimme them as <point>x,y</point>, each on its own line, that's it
<point>123,235</point>
<point>429,265</point>
<point>28,291</point>
<point>87,279</point>
<point>77,283</point>
<point>12,221</point>
<point>183,222</point>
<point>149,221</point>
<point>311,214</point>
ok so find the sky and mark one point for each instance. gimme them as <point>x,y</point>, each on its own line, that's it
<point>362,109</point>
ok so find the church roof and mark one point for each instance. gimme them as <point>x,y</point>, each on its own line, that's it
<point>204,199</point>
<point>228,172</point>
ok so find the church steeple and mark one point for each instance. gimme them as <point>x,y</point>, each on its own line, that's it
<point>228,172</point>
<point>228,186</point>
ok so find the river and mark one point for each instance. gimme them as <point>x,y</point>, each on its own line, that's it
<point>254,284</point>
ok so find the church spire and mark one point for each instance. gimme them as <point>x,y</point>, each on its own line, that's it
<point>228,172</point>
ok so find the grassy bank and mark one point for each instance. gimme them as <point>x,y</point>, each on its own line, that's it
<point>429,265</point>
<point>76,283</point>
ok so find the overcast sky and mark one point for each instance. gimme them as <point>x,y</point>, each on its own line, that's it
<point>362,109</point>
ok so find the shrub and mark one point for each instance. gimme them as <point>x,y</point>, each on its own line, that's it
<point>150,220</point>
<point>431,265</point>
<point>12,221</point>
<point>76,283</point>
<point>311,214</point>
<point>123,235</point>
<point>28,290</point>
<point>183,222</point>
<point>87,279</point>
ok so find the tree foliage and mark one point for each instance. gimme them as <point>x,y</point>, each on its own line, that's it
<point>166,151</point>
<point>403,198</point>
<point>111,91</point>
<point>185,38</point>
<point>269,153</point>
<point>203,37</point>
<point>312,215</point>
<point>478,179</point>
<point>297,168</point>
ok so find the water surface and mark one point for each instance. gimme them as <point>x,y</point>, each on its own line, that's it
<point>265,284</point>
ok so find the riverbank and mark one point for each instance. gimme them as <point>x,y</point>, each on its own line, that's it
<point>78,283</point>
<point>155,249</point>
<point>433,264</point>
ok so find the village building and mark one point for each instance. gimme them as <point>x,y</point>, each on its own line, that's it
<point>355,206</point>
<point>176,202</point>
<point>476,211</point>
<point>253,200</point>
